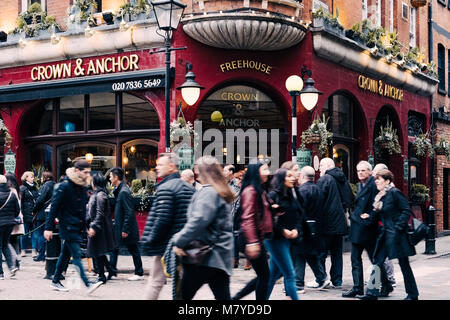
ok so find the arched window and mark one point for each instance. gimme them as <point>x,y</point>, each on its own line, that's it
<point>139,159</point>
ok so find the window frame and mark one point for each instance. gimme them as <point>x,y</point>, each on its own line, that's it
<point>403,11</point>
<point>27,3</point>
<point>412,27</point>
<point>441,68</point>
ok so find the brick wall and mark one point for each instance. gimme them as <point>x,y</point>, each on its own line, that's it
<point>8,14</point>
<point>58,8</point>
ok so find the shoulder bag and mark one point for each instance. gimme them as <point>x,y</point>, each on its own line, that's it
<point>196,252</point>
<point>417,230</point>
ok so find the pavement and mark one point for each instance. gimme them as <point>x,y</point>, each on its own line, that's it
<point>432,273</point>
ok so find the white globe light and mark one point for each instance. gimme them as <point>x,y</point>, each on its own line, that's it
<point>190,95</point>
<point>294,83</point>
<point>309,100</point>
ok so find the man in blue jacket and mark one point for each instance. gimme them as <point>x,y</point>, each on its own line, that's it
<point>362,236</point>
<point>69,207</point>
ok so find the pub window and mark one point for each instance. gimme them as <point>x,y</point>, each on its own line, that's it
<point>71,113</point>
<point>391,16</point>
<point>340,110</point>
<point>42,117</point>
<point>378,14</point>
<point>102,156</point>
<point>441,68</point>
<point>139,159</point>
<point>138,114</point>
<point>364,9</point>
<point>41,157</point>
<point>102,111</point>
<point>404,11</point>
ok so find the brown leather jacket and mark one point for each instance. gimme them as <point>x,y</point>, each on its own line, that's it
<point>254,227</point>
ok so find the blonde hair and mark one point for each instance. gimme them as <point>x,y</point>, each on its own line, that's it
<point>25,175</point>
<point>210,172</point>
<point>2,179</point>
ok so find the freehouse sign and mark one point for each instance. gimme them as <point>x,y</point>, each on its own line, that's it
<point>380,88</point>
<point>80,68</point>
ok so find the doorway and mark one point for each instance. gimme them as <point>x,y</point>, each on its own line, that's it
<point>445,198</point>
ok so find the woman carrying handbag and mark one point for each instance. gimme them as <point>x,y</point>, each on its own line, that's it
<point>392,208</point>
<point>255,226</point>
<point>18,229</point>
<point>210,223</point>
<point>9,211</point>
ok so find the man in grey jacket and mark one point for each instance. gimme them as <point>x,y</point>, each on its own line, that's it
<point>167,217</point>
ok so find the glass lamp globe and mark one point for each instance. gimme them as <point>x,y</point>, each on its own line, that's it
<point>294,84</point>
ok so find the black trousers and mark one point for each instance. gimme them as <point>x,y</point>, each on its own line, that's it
<point>194,277</point>
<point>333,244</point>
<point>408,276</point>
<point>261,282</point>
<point>300,261</point>
<point>133,249</point>
<point>357,264</point>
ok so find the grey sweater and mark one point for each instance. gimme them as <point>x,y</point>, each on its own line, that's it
<point>209,221</point>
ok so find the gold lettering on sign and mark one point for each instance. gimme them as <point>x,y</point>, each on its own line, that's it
<point>245,64</point>
<point>94,66</point>
<point>380,88</point>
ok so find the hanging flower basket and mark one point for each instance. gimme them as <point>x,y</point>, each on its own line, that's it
<point>422,145</point>
<point>313,138</point>
<point>318,134</point>
<point>387,141</point>
<point>443,148</point>
<point>418,3</point>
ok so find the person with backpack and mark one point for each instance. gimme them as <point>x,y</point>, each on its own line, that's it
<point>255,225</point>
<point>337,198</point>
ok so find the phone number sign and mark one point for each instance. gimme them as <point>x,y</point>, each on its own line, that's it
<point>137,84</point>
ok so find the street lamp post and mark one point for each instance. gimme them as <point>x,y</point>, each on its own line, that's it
<point>168,14</point>
<point>308,96</point>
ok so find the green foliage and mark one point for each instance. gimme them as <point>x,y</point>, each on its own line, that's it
<point>319,13</point>
<point>4,132</point>
<point>82,10</point>
<point>354,188</point>
<point>443,147</point>
<point>136,185</point>
<point>423,145</point>
<point>319,126</point>
<point>37,171</point>
<point>387,141</point>
<point>39,21</point>
<point>109,188</point>
<point>419,193</point>
<point>35,8</point>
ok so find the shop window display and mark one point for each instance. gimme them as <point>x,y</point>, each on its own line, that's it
<point>139,160</point>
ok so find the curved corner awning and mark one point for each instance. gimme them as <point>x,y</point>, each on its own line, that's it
<point>126,81</point>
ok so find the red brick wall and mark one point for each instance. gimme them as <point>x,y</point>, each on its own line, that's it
<point>8,14</point>
<point>58,8</point>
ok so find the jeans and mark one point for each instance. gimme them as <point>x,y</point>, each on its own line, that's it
<point>5,233</point>
<point>357,264</point>
<point>70,249</point>
<point>300,261</point>
<point>194,277</point>
<point>25,240</point>
<point>261,282</point>
<point>38,237</point>
<point>332,243</point>
<point>281,264</point>
<point>133,249</point>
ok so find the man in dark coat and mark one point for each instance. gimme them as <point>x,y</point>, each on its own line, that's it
<point>167,217</point>
<point>125,224</point>
<point>69,206</point>
<point>337,197</point>
<point>362,236</point>
<point>307,249</point>
<point>42,203</point>
<point>28,196</point>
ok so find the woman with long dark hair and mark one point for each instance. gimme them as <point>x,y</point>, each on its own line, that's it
<point>210,222</point>
<point>255,227</point>
<point>393,210</point>
<point>101,232</point>
<point>13,185</point>
<point>286,227</point>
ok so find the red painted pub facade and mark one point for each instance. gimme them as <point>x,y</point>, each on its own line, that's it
<point>110,107</point>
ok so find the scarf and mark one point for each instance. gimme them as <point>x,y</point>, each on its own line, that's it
<point>378,204</point>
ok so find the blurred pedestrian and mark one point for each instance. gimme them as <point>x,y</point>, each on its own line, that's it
<point>188,176</point>
<point>256,225</point>
<point>362,236</point>
<point>9,211</point>
<point>337,197</point>
<point>167,216</point>
<point>284,200</point>
<point>392,208</point>
<point>388,265</point>
<point>126,230</point>
<point>69,206</point>
<point>210,222</point>
<point>41,209</point>
<point>28,196</point>
<point>306,249</point>
<point>100,230</point>
<point>18,229</point>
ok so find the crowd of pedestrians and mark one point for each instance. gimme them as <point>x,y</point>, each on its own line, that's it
<point>201,221</point>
